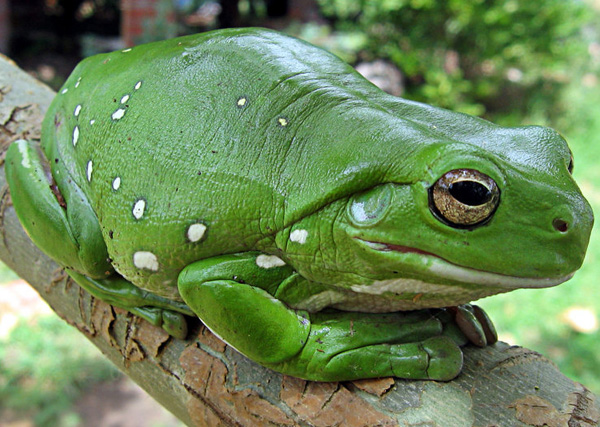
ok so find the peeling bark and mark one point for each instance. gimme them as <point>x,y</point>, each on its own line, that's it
<point>206,383</point>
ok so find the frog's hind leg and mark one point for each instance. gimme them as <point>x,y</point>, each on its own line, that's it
<point>60,221</point>
<point>55,215</point>
<point>234,296</point>
<point>159,311</point>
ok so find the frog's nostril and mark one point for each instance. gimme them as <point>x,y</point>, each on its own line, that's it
<point>560,225</point>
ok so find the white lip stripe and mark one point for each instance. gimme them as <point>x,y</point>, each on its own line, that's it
<point>439,268</point>
<point>466,275</point>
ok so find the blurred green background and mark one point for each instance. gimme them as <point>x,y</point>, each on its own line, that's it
<point>513,62</point>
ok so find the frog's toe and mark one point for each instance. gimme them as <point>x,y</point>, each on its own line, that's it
<point>469,325</point>
<point>445,358</point>
<point>489,329</point>
<point>172,322</point>
<point>474,324</point>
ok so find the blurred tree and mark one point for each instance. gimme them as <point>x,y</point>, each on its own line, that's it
<point>481,56</point>
<point>229,15</point>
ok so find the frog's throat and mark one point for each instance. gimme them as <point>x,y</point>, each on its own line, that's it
<point>439,267</point>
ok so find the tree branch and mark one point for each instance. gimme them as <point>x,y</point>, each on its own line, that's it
<point>204,382</point>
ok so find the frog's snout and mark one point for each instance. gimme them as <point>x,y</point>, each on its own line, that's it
<point>576,218</point>
<point>572,223</point>
<point>560,225</point>
<point>563,220</point>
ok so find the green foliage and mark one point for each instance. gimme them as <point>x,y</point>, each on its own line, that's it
<point>478,57</point>
<point>345,45</point>
<point>44,367</point>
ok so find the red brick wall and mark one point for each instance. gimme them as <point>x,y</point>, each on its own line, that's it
<point>4,26</point>
<point>304,10</point>
<point>133,14</point>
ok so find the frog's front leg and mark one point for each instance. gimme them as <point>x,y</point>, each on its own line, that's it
<point>233,296</point>
<point>61,222</point>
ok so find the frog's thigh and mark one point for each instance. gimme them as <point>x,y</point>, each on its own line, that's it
<point>225,293</point>
<point>70,234</point>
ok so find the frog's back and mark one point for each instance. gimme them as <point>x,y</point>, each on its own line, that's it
<point>185,148</point>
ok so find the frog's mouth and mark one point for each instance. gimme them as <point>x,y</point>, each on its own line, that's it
<point>444,269</point>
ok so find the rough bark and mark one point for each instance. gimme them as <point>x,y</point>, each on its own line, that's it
<point>204,382</point>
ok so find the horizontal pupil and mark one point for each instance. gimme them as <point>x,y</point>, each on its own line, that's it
<point>470,193</point>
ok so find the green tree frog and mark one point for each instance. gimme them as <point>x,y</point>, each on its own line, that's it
<point>318,225</point>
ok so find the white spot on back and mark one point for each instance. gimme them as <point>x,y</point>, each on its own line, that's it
<point>299,236</point>
<point>78,82</point>
<point>22,145</point>
<point>75,135</point>
<point>138,85</point>
<point>124,99</point>
<point>282,121</point>
<point>77,110</point>
<point>138,208</point>
<point>90,168</point>
<point>145,260</point>
<point>126,50</point>
<point>116,183</point>
<point>92,121</point>
<point>118,114</point>
<point>196,232</point>
<point>65,90</point>
<point>241,102</point>
<point>269,261</point>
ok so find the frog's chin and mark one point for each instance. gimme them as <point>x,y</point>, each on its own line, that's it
<point>439,268</point>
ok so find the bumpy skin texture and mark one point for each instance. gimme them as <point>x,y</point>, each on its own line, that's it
<point>261,180</point>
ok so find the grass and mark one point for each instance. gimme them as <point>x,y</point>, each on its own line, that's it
<point>45,365</point>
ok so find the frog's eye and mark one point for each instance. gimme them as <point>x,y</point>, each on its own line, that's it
<point>464,198</point>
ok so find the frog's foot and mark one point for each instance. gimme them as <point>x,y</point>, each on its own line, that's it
<point>232,295</point>
<point>121,293</point>
<point>56,215</point>
<point>468,323</point>
<point>346,346</point>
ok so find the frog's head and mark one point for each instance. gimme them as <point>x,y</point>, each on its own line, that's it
<point>482,216</point>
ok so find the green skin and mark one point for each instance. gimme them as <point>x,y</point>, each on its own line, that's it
<point>261,184</point>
